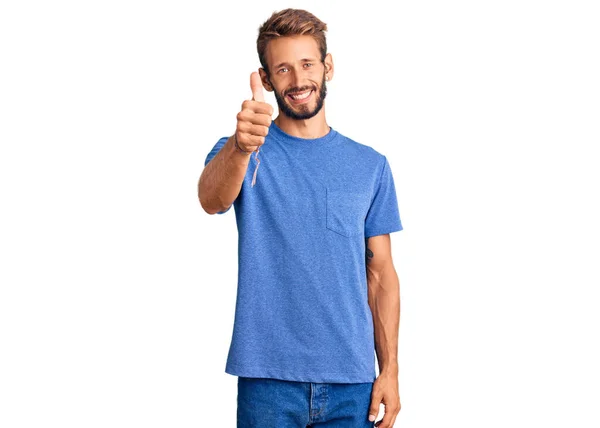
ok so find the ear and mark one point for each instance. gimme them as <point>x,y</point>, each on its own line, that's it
<point>265,79</point>
<point>328,66</point>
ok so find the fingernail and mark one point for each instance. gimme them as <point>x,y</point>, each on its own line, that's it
<point>371,418</point>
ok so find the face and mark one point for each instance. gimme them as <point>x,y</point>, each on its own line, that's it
<point>297,75</point>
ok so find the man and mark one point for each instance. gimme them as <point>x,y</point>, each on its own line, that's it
<point>318,294</point>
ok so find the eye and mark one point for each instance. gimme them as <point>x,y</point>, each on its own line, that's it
<point>308,64</point>
<point>281,70</point>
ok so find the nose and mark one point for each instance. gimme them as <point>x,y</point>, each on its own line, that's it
<point>297,78</point>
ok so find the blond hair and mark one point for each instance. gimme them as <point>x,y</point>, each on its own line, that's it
<point>290,22</point>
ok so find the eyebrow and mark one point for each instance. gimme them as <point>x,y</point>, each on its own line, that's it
<point>302,60</point>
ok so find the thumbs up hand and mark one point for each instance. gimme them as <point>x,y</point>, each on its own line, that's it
<point>254,119</point>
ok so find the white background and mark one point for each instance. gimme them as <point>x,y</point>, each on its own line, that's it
<point>118,291</point>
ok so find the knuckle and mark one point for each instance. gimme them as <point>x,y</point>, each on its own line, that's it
<point>260,119</point>
<point>255,119</point>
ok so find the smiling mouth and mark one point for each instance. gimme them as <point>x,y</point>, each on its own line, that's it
<point>300,95</point>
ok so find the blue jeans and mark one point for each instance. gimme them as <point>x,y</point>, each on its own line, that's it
<point>266,403</point>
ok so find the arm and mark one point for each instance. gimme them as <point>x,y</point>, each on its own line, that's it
<point>222,178</point>
<point>384,301</point>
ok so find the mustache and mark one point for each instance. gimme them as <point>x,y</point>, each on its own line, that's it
<point>298,90</point>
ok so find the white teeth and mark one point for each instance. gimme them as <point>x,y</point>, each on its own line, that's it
<point>301,96</point>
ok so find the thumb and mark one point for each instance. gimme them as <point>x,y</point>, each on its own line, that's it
<point>374,408</point>
<point>257,87</point>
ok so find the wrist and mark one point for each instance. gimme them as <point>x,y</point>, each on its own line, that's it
<point>389,374</point>
<point>389,368</point>
<point>238,148</point>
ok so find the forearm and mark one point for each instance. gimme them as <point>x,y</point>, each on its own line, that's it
<point>222,178</point>
<point>384,301</point>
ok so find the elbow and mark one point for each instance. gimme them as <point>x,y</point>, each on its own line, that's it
<point>209,206</point>
<point>207,209</point>
<point>212,210</point>
<point>209,198</point>
<point>203,199</point>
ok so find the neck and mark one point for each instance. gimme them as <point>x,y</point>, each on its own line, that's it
<point>315,127</point>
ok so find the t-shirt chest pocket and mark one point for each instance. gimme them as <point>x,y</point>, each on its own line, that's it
<point>346,210</point>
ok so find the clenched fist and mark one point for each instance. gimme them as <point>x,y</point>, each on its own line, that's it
<point>255,118</point>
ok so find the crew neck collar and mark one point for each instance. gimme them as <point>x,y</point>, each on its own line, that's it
<point>278,133</point>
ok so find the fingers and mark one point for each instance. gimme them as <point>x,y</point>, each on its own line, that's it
<point>258,107</point>
<point>391,411</point>
<point>391,404</point>
<point>374,408</point>
<point>252,129</point>
<point>257,88</point>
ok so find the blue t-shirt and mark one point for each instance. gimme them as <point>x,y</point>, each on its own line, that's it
<point>302,312</point>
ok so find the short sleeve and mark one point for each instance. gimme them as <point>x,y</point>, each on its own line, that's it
<point>383,215</point>
<point>212,154</point>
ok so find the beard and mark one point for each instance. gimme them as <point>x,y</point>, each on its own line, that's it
<point>304,111</point>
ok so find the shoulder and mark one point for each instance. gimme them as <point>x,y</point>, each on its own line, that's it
<point>363,152</point>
